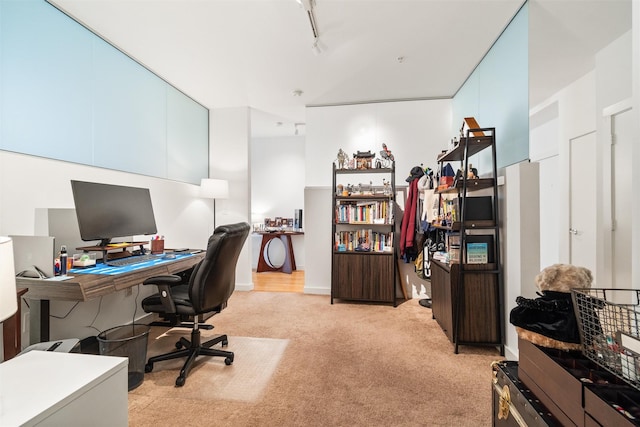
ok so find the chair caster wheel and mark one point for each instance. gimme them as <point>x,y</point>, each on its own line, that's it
<point>180,381</point>
<point>148,367</point>
<point>228,361</point>
<point>225,343</point>
<point>178,345</point>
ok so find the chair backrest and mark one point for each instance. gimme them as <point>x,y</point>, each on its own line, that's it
<point>213,279</point>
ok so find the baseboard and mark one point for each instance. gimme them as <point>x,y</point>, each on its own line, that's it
<point>244,286</point>
<point>509,354</point>
<point>316,290</point>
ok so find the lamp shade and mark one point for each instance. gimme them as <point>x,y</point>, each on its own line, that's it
<point>214,188</point>
<point>8,299</point>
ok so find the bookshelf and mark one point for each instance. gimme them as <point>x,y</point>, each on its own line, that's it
<point>466,278</point>
<point>363,238</point>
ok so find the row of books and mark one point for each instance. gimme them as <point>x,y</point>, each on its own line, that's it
<point>370,212</point>
<point>363,241</point>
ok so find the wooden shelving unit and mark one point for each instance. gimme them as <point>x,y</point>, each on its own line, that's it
<point>467,298</point>
<point>364,270</point>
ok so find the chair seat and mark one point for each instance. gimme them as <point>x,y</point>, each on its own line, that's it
<point>180,296</point>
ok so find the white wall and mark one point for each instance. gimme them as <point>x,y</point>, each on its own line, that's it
<point>573,111</point>
<point>415,131</point>
<point>635,207</point>
<point>229,159</point>
<point>277,189</point>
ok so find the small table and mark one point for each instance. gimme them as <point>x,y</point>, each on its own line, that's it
<point>12,329</point>
<point>289,264</point>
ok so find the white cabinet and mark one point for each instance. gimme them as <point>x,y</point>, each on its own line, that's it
<point>55,389</point>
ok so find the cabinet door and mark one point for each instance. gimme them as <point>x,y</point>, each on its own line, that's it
<point>479,309</point>
<point>365,277</point>
<point>441,298</point>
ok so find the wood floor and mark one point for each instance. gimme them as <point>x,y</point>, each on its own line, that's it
<point>279,282</point>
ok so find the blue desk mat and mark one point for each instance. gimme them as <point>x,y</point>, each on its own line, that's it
<point>111,270</point>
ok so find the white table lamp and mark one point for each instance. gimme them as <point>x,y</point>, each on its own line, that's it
<point>8,298</point>
<point>214,189</point>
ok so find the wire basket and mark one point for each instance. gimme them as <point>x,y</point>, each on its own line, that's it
<point>609,331</point>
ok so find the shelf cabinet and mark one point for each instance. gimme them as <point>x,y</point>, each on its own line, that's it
<point>477,300</point>
<point>467,290</point>
<point>363,241</point>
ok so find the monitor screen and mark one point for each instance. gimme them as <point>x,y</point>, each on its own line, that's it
<point>106,211</point>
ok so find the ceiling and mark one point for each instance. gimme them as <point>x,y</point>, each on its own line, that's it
<point>258,53</point>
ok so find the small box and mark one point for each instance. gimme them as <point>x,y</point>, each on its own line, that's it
<point>87,259</point>
<point>157,246</point>
<point>446,180</point>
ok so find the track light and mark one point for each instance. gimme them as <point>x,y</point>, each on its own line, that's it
<point>315,48</point>
<point>308,5</point>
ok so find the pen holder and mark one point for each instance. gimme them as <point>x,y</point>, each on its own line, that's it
<point>157,246</point>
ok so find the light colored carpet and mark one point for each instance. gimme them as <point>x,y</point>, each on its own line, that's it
<point>345,364</point>
<point>256,359</point>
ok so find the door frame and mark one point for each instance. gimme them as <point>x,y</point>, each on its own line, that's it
<point>608,114</point>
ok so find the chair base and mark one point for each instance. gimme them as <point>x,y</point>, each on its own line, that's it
<point>192,350</point>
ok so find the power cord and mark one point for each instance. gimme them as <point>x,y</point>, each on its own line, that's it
<point>96,316</point>
<point>135,307</point>
<point>68,313</point>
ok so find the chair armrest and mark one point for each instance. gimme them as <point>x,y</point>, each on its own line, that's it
<point>164,284</point>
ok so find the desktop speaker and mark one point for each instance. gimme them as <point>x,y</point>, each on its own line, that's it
<point>297,219</point>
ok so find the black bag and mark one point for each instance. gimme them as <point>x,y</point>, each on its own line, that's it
<point>551,315</point>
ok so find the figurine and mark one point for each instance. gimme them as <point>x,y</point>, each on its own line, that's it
<point>342,158</point>
<point>363,159</point>
<point>386,153</point>
<point>472,173</point>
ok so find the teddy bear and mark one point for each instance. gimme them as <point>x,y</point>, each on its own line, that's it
<point>549,320</point>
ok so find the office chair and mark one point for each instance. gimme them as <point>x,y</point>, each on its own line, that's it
<point>210,285</point>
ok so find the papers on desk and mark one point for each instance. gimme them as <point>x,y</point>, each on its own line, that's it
<point>58,278</point>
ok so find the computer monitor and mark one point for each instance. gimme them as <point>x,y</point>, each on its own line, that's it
<point>107,211</point>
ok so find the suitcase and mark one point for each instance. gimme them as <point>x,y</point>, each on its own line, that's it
<point>513,404</point>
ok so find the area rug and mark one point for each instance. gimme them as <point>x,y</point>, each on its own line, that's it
<point>256,359</point>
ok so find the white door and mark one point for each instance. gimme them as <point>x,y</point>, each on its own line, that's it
<point>582,228</point>
<point>621,194</point>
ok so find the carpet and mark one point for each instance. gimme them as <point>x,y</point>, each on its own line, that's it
<point>255,361</point>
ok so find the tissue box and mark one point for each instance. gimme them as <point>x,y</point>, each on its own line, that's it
<point>84,259</point>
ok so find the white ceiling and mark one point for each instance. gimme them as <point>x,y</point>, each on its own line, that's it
<point>256,53</point>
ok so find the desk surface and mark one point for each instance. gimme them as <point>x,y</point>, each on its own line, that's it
<point>84,287</point>
<point>278,233</point>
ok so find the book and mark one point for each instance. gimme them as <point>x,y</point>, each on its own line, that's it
<point>477,253</point>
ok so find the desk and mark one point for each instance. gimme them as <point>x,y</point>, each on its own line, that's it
<point>289,259</point>
<point>85,287</point>
<point>63,389</point>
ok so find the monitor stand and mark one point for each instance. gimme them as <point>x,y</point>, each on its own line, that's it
<point>106,255</point>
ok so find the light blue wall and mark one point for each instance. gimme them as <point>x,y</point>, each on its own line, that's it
<point>497,93</point>
<point>67,94</point>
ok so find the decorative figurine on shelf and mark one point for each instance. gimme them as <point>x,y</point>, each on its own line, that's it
<point>339,189</point>
<point>366,188</point>
<point>472,173</point>
<point>363,159</point>
<point>342,159</point>
<point>386,187</point>
<point>386,153</point>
